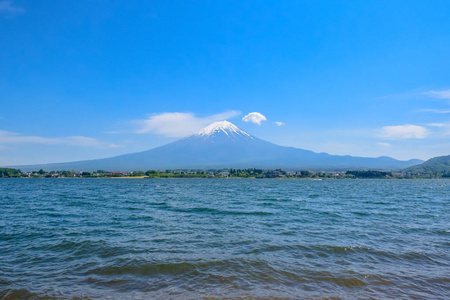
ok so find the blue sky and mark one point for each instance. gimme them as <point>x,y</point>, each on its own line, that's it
<point>90,79</point>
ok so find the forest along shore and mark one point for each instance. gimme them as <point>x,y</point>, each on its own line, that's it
<point>225,173</point>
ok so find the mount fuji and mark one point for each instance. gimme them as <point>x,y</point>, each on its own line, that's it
<point>224,145</point>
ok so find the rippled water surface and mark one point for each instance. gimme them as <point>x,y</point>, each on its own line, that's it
<point>224,238</point>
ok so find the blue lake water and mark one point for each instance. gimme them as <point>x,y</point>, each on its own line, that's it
<point>224,238</point>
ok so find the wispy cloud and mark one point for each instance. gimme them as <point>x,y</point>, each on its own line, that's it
<point>404,132</point>
<point>278,123</point>
<point>441,130</point>
<point>9,138</point>
<point>436,125</point>
<point>437,111</point>
<point>113,132</point>
<point>444,94</point>
<point>8,9</point>
<point>384,145</point>
<point>254,117</point>
<point>178,124</point>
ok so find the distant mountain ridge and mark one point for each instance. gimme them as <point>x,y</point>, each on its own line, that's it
<point>224,145</point>
<point>439,164</point>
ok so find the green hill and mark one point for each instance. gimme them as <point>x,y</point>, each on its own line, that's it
<point>440,164</point>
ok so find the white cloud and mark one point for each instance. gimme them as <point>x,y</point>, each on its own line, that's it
<point>279,123</point>
<point>442,129</point>
<point>9,138</point>
<point>404,132</point>
<point>8,9</point>
<point>113,132</point>
<point>436,125</point>
<point>177,124</point>
<point>254,117</point>
<point>445,94</point>
<point>384,145</point>
<point>437,111</point>
<point>84,141</point>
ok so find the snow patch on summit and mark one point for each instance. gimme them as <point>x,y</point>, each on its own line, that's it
<point>226,127</point>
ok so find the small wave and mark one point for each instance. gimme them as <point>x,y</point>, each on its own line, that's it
<point>268,204</point>
<point>314,196</point>
<point>313,249</point>
<point>350,250</point>
<point>283,200</point>
<point>274,199</point>
<point>363,214</point>
<point>11,294</point>
<point>141,218</point>
<point>256,213</point>
<point>377,202</point>
<point>158,203</point>
<point>219,211</point>
<point>74,249</point>
<point>133,208</point>
<point>231,272</point>
<point>201,272</point>
<point>347,282</point>
<point>137,267</point>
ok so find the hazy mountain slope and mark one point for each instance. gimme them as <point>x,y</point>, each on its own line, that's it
<point>436,164</point>
<point>223,145</point>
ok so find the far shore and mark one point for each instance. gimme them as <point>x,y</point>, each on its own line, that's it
<point>128,177</point>
<point>226,173</point>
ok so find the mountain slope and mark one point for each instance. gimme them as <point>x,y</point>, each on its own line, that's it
<point>224,145</point>
<point>437,164</point>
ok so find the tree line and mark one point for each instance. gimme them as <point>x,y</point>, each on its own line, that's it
<point>225,173</point>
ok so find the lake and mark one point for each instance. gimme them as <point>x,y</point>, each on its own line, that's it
<point>224,238</point>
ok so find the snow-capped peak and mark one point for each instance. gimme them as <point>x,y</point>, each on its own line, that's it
<point>223,126</point>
